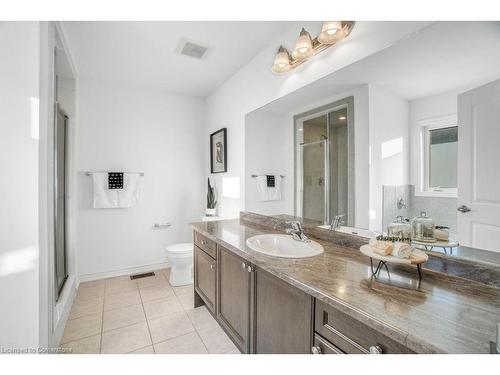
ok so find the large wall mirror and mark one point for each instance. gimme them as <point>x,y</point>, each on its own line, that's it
<point>411,129</point>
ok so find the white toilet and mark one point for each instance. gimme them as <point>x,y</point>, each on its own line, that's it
<point>180,258</point>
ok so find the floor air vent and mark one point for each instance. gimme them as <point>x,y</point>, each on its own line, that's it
<point>141,275</point>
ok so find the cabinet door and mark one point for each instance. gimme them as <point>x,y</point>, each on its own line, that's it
<point>283,321</point>
<point>233,290</point>
<point>204,277</point>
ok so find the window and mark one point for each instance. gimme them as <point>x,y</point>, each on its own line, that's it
<point>438,157</point>
<point>443,158</point>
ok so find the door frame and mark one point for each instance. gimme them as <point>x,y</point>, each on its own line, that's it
<point>53,315</point>
<point>298,119</point>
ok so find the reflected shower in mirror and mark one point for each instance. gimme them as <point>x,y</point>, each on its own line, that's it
<point>324,164</point>
<point>407,130</point>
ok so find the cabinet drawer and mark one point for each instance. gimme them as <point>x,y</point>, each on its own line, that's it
<point>205,244</point>
<point>322,346</point>
<point>349,335</point>
<point>204,277</point>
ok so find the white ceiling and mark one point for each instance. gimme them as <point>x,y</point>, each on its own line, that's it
<point>446,56</point>
<point>142,54</point>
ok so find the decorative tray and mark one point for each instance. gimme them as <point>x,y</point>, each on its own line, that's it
<point>418,257</point>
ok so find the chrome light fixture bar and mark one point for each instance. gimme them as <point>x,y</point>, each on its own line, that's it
<point>305,47</point>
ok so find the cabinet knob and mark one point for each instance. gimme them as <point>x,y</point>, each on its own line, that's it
<point>375,349</point>
<point>203,242</point>
<point>243,265</point>
<point>212,267</point>
<point>249,269</point>
<point>316,350</point>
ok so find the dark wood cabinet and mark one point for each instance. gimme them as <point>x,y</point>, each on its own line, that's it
<point>283,316</point>
<point>322,346</point>
<point>264,314</point>
<point>350,335</point>
<point>205,277</point>
<point>234,297</point>
<point>206,244</point>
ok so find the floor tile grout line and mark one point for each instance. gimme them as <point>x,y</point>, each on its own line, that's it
<point>201,339</point>
<point>184,334</point>
<point>122,307</point>
<point>130,352</point>
<point>79,338</point>
<point>102,317</point>
<point>147,323</point>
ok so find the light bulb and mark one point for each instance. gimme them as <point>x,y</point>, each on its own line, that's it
<point>331,32</point>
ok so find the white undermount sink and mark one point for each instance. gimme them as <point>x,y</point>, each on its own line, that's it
<point>283,246</point>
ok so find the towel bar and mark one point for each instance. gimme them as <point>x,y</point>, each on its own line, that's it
<point>257,175</point>
<point>89,173</point>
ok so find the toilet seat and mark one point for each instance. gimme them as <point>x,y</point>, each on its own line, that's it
<point>180,248</point>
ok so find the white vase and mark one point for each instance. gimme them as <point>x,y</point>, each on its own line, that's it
<point>210,212</point>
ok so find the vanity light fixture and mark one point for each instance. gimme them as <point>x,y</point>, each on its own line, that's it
<point>305,47</point>
<point>331,32</point>
<point>282,61</point>
<point>342,118</point>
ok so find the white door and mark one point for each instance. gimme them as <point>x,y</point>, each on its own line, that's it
<point>479,167</point>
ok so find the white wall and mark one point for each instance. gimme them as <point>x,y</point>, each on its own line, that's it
<point>19,68</point>
<point>255,85</point>
<point>152,132</point>
<point>269,150</point>
<point>389,146</point>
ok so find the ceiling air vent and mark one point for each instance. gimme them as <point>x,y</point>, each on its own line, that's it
<point>192,49</point>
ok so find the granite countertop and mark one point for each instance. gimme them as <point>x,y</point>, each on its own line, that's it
<point>439,314</point>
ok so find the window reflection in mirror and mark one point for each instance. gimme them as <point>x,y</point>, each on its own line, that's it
<point>443,157</point>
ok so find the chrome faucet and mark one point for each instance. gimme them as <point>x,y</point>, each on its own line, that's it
<point>337,221</point>
<point>296,231</point>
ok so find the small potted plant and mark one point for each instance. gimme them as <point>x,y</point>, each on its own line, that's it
<point>211,200</point>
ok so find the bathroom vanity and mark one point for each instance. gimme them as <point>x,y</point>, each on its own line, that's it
<point>329,303</point>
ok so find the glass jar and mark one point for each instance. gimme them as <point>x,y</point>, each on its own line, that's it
<point>400,227</point>
<point>422,228</point>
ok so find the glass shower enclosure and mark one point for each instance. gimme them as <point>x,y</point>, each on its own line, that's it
<point>324,162</point>
<point>60,186</point>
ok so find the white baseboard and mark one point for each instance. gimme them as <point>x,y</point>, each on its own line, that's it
<point>121,272</point>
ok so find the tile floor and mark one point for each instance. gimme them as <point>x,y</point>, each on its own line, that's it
<point>143,316</point>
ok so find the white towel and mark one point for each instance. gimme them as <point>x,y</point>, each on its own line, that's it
<point>103,197</point>
<point>127,197</point>
<point>269,193</point>
<point>401,250</point>
<point>441,234</point>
